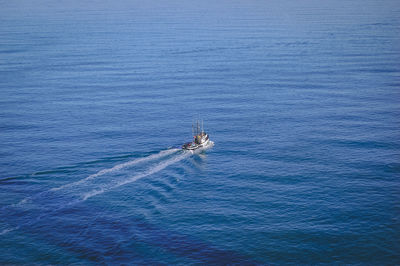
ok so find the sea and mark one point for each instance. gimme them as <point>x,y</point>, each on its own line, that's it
<point>301,100</point>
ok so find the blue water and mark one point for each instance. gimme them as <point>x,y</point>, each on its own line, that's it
<point>301,100</point>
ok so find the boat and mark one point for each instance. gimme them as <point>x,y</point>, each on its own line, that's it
<point>200,138</point>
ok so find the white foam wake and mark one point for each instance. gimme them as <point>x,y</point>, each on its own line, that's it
<point>118,167</point>
<point>160,166</point>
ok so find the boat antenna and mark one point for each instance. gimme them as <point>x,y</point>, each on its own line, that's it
<point>202,126</point>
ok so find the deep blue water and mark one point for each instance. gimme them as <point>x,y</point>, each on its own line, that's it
<point>301,99</point>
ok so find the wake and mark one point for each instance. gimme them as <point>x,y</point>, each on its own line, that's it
<point>118,167</point>
<point>48,202</point>
<point>157,168</point>
<point>45,204</point>
<point>70,187</point>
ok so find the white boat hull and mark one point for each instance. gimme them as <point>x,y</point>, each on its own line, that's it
<point>197,146</point>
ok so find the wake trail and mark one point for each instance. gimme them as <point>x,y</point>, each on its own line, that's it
<point>76,196</point>
<point>118,167</point>
<point>49,202</point>
<point>160,166</point>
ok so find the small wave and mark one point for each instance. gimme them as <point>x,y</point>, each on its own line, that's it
<point>22,202</point>
<point>7,230</point>
<point>118,167</point>
<point>92,193</point>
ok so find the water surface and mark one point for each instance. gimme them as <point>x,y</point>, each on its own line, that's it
<point>300,98</point>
